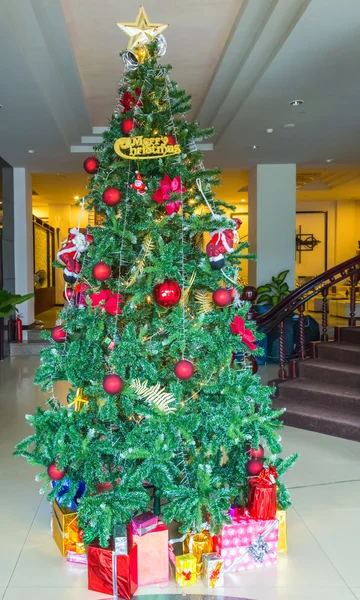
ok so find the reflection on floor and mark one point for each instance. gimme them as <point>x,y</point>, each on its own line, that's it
<point>323,524</point>
<point>49,317</point>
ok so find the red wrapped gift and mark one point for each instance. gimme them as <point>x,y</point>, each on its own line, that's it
<point>262,496</point>
<point>110,573</point>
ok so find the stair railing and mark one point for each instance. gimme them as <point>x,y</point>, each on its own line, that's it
<point>298,299</point>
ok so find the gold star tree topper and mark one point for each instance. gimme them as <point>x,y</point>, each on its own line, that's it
<point>142,31</point>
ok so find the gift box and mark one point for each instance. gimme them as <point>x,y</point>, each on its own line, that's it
<point>75,557</point>
<point>64,520</point>
<point>282,541</point>
<point>153,555</point>
<point>213,570</point>
<point>198,544</point>
<point>262,495</point>
<point>247,543</point>
<point>110,573</point>
<point>185,569</point>
<point>142,524</point>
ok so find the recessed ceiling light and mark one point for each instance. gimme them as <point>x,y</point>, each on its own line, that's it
<point>254,147</point>
<point>288,125</point>
<point>296,102</point>
<point>31,151</point>
<point>329,159</point>
<point>270,130</point>
<point>76,197</point>
<point>243,200</point>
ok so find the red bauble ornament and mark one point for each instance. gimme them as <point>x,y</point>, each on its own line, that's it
<point>257,454</point>
<point>68,294</point>
<point>111,196</point>
<point>184,369</point>
<point>222,297</point>
<point>91,165</point>
<point>113,384</point>
<point>171,140</point>
<point>104,487</point>
<point>54,472</point>
<point>101,271</point>
<point>167,294</point>
<point>127,125</point>
<point>254,467</point>
<point>58,334</point>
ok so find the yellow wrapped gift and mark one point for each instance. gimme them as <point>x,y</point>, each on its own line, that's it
<point>63,519</point>
<point>282,541</point>
<point>185,566</point>
<point>198,544</point>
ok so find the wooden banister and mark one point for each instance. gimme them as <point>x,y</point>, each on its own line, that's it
<point>320,284</point>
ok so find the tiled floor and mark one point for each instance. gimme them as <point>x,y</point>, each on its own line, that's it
<point>323,525</point>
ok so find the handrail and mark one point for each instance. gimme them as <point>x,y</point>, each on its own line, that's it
<point>286,307</point>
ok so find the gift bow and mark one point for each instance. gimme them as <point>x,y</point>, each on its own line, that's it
<point>185,574</point>
<point>106,300</point>
<point>128,101</point>
<point>215,574</point>
<point>168,186</point>
<point>247,336</point>
<point>267,477</point>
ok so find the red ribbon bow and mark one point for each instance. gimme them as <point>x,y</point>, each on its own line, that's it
<point>106,300</point>
<point>128,101</point>
<point>267,477</point>
<point>247,336</point>
<point>167,187</point>
<point>186,575</point>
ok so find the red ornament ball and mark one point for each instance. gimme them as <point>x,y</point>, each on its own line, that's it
<point>254,467</point>
<point>58,334</point>
<point>111,196</point>
<point>127,125</point>
<point>167,294</point>
<point>171,140</point>
<point>101,271</point>
<point>68,294</point>
<point>104,487</point>
<point>54,472</point>
<point>184,369</point>
<point>113,384</point>
<point>258,454</point>
<point>91,165</point>
<point>222,297</point>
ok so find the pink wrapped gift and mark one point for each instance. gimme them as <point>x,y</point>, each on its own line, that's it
<point>142,524</point>
<point>247,543</point>
<point>153,555</point>
<point>74,557</point>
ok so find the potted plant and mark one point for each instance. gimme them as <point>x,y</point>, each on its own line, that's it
<point>8,303</point>
<point>269,295</point>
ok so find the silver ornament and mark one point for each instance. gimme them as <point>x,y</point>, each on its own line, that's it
<point>161,45</point>
<point>130,61</point>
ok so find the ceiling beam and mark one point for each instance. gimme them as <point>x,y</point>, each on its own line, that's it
<point>260,30</point>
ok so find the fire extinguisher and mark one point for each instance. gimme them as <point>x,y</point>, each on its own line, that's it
<point>19,329</point>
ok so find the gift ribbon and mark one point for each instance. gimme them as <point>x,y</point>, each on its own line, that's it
<point>215,574</point>
<point>256,549</point>
<point>185,574</point>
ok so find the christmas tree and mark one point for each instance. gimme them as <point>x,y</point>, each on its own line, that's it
<point>153,317</point>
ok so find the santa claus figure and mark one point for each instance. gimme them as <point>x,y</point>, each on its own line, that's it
<point>222,241</point>
<point>138,185</point>
<point>76,243</point>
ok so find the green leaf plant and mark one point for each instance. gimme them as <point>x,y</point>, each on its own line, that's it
<point>274,291</point>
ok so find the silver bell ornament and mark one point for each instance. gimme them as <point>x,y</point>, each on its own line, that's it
<point>130,60</point>
<point>161,45</point>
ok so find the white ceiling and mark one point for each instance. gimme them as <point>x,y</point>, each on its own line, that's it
<point>242,61</point>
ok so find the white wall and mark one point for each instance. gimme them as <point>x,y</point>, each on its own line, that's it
<point>23,241</point>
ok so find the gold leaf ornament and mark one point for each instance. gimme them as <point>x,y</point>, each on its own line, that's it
<point>148,246</point>
<point>154,395</point>
<point>204,301</point>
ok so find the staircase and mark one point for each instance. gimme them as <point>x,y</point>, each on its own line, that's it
<point>326,395</point>
<point>29,347</point>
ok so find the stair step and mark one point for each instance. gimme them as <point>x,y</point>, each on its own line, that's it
<point>31,348</point>
<point>340,351</point>
<point>320,419</point>
<point>331,372</point>
<point>351,335</point>
<point>317,393</point>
